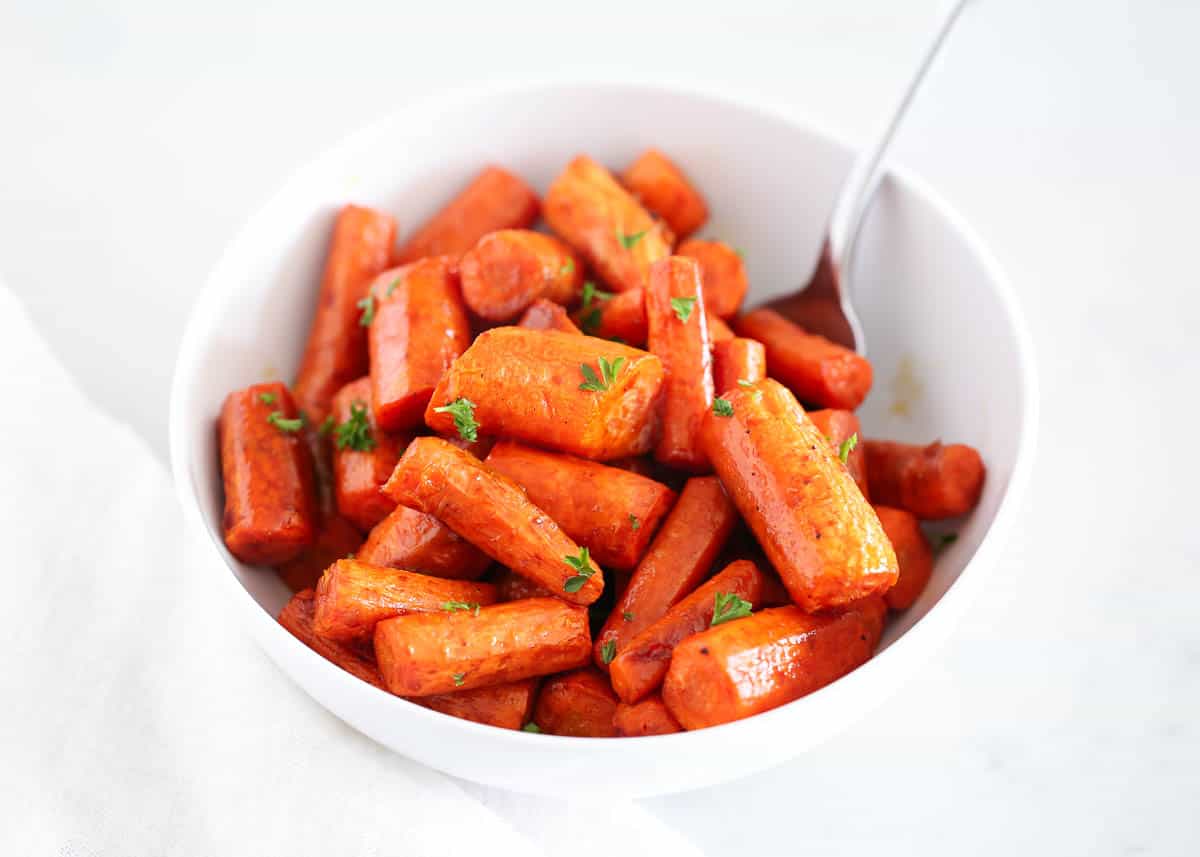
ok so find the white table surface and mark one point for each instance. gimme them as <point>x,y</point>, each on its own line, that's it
<point>1063,717</point>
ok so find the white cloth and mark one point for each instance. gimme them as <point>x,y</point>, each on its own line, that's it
<point>137,719</point>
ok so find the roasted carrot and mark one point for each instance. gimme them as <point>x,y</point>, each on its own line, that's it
<point>552,389</point>
<point>336,352</point>
<point>420,327</point>
<point>721,272</point>
<point>493,513</point>
<point>913,552</point>
<point>843,431</point>
<point>818,371</point>
<point>736,360</point>
<point>353,596</point>
<point>648,717</point>
<point>751,665</point>
<point>544,314</point>
<point>641,664</point>
<point>495,199</point>
<point>662,187</point>
<point>363,456</point>
<point>680,556</point>
<point>422,654</point>
<point>611,512</point>
<point>620,240</point>
<point>933,482</point>
<point>508,706</point>
<point>297,618</point>
<point>578,703</point>
<point>510,269</point>
<point>336,538</point>
<point>621,316</point>
<point>678,335</point>
<point>510,586</point>
<point>270,501</point>
<point>816,528</point>
<point>413,540</point>
<point>718,331</point>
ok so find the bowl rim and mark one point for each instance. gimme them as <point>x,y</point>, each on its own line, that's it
<point>928,630</point>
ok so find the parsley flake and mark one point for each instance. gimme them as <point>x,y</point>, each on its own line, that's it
<point>567,269</point>
<point>722,407</point>
<point>355,432</point>
<point>608,651</point>
<point>847,446</point>
<point>459,678</point>
<point>451,606</point>
<point>590,293</point>
<point>277,419</point>
<point>608,374</point>
<point>463,411</point>
<point>326,426</point>
<point>634,523</point>
<point>583,570</point>
<point>367,305</point>
<point>391,287</point>
<point>628,240</point>
<point>267,398</point>
<point>627,616</point>
<point>683,307</point>
<point>727,606</point>
<point>745,382</point>
<point>531,727</point>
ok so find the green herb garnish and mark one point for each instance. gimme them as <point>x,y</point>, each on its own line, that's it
<point>451,606</point>
<point>722,407</point>
<point>608,374</point>
<point>727,606</point>
<point>367,305</point>
<point>627,616</point>
<point>608,651</point>
<point>634,523</point>
<point>277,419</point>
<point>629,240</point>
<point>463,411</point>
<point>744,382</point>
<point>531,727</point>
<point>391,287</point>
<point>326,426</point>
<point>847,446</point>
<point>459,678</point>
<point>583,570</point>
<point>568,268</point>
<point>355,432</point>
<point>683,307</point>
<point>267,398</point>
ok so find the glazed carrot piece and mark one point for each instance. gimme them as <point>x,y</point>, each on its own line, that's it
<point>363,456</point>
<point>816,528</point>
<point>648,717</point>
<point>270,500</point>
<point>839,427</point>
<point>678,335</point>
<point>353,596</point>
<point>913,552</point>
<point>420,328</point>
<point>336,352</point>
<point>619,239</point>
<point>752,665</point>
<point>933,482</point>
<point>532,385</point>
<point>735,360</point>
<point>508,270</point>
<point>495,199</point>
<point>507,706</point>
<point>413,540</point>
<point>422,654</point>
<point>818,371</point>
<point>510,586</point>
<point>611,512</point>
<point>621,316</point>
<point>642,663</point>
<point>662,187</point>
<point>578,703</point>
<point>680,556</point>
<point>721,272</point>
<point>547,315</point>
<point>336,538</point>
<point>297,618</point>
<point>492,512</point>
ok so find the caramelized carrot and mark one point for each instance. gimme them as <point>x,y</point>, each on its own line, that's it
<point>737,360</point>
<point>270,501</point>
<point>718,331</point>
<point>508,270</point>
<point>526,384</point>
<point>623,317</point>
<point>648,717</point>
<point>660,186</point>
<point>680,556</point>
<point>413,540</point>
<point>353,596</point>
<point>297,618</point>
<point>641,664</point>
<point>933,482</point>
<point>363,458</point>
<point>422,654</point>
<point>420,327</point>
<point>507,706</point>
<point>336,538</point>
<point>816,528</point>
<point>336,352</point>
<point>510,586</point>
<point>493,513</point>
<point>578,703</point>
<point>912,552</point>
<point>678,335</point>
<point>611,512</point>
<point>721,272</point>
<point>495,199</point>
<point>839,427</point>
<point>620,240</point>
<point>547,315</point>
<point>752,665</point>
<point>818,371</point>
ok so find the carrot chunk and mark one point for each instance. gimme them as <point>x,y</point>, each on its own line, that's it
<point>507,706</point>
<point>579,703</point>
<point>648,717</point>
<point>933,482</point>
<point>621,316</point>
<point>543,314</point>
<point>508,270</point>
<point>721,272</point>
<point>913,552</point>
<point>839,427</point>
<point>336,538</point>
<point>661,186</point>
<point>736,360</point>
<point>297,618</point>
<point>413,540</point>
<point>363,457</point>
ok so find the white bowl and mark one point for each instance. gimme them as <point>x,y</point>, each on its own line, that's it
<point>951,354</point>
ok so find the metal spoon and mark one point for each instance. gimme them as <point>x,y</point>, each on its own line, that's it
<point>823,306</point>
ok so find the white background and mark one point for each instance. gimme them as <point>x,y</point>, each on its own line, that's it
<point>1063,718</point>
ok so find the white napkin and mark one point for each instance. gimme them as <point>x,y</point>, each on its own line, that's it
<point>136,718</point>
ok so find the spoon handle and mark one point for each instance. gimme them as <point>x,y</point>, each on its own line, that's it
<point>855,196</point>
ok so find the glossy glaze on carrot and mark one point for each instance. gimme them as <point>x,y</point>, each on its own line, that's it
<point>648,717</point>
<point>913,552</point>
<point>736,360</point>
<point>661,186</point>
<point>721,272</point>
<point>933,482</point>
<point>507,706</point>
<point>508,270</point>
<point>578,703</point>
<point>621,316</point>
<point>839,427</point>
<point>359,474</point>
<point>511,586</point>
<point>544,314</point>
<point>297,618</point>
<point>418,542</point>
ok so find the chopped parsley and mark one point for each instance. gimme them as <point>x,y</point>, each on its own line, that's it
<point>745,382</point>
<point>568,268</point>
<point>846,447</point>
<point>722,407</point>
<point>531,727</point>
<point>391,287</point>
<point>367,305</point>
<point>459,678</point>
<point>277,419</point>
<point>583,570</point>
<point>355,432</point>
<point>634,523</point>
<point>608,374</point>
<point>727,606</point>
<point>629,240</point>
<point>463,411</point>
<point>683,307</point>
<point>326,426</point>
<point>267,398</point>
<point>608,651</point>
<point>451,606</point>
<point>627,616</point>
